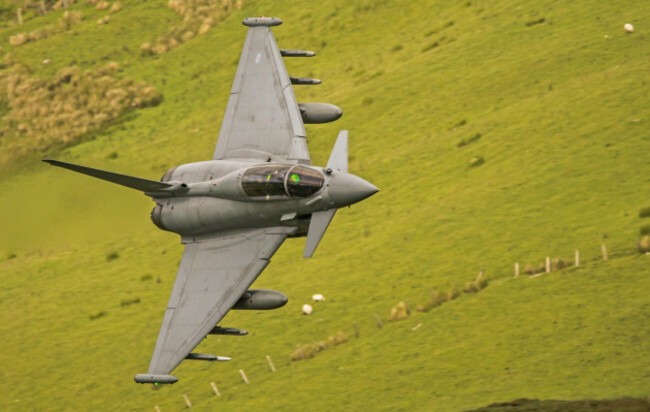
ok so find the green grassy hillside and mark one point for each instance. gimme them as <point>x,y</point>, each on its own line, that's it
<point>558,94</point>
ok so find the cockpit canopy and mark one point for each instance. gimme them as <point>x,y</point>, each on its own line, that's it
<point>275,180</point>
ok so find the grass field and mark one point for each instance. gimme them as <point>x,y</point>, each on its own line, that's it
<point>562,109</point>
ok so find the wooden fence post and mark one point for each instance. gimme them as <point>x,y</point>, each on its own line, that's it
<point>214,388</point>
<point>378,319</point>
<point>577,258</point>
<point>243,376</point>
<point>19,13</point>
<point>187,401</point>
<point>548,264</point>
<point>268,359</point>
<point>516,270</point>
<point>43,9</point>
<point>603,249</point>
<point>156,408</point>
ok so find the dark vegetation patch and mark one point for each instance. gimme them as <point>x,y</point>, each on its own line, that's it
<point>438,30</point>
<point>430,46</point>
<point>645,229</point>
<point>97,315</point>
<point>146,277</point>
<point>460,123</point>
<point>468,140</point>
<point>397,48</point>
<point>438,298</point>
<point>529,405</point>
<point>535,22</point>
<point>530,269</point>
<point>367,101</point>
<point>7,11</point>
<point>112,256</point>
<point>476,161</point>
<point>112,155</point>
<point>129,302</point>
<point>644,212</point>
<point>4,107</point>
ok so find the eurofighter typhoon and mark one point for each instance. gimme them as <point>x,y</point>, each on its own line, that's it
<point>233,212</point>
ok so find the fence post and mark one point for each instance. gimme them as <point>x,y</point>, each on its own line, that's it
<point>214,388</point>
<point>378,319</point>
<point>356,330</point>
<point>603,249</point>
<point>43,9</point>
<point>516,270</point>
<point>548,264</point>
<point>268,359</point>
<point>577,258</point>
<point>19,13</point>
<point>243,376</point>
<point>187,401</point>
<point>156,408</point>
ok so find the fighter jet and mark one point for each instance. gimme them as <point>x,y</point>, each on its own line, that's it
<point>233,212</point>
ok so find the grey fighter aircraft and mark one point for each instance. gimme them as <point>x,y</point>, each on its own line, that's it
<point>233,212</point>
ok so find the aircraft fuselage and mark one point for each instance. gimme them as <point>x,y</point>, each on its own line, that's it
<point>219,195</point>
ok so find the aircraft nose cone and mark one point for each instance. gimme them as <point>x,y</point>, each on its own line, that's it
<point>345,189</point>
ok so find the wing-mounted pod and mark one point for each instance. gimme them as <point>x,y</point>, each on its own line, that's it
<point>316,113</point>
<point>261,299</point>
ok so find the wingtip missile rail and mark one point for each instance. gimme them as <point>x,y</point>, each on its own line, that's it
<point>261,21</point>
<point>207,357</point>
<point>297,53</point>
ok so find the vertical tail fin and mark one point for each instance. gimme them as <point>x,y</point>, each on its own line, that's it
<point>320,220</point>
<point>339,158</point>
